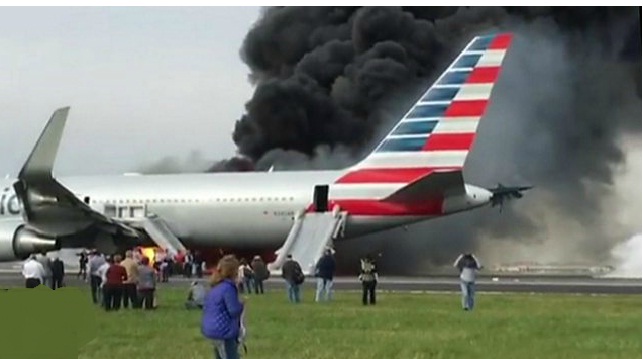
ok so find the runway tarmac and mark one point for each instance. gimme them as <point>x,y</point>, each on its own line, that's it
<point>542,284</point>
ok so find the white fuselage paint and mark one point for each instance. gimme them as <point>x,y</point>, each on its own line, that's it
<point>242,210</point>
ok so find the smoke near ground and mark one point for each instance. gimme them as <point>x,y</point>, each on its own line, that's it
<point>627,258</point>
<point>330,81</point>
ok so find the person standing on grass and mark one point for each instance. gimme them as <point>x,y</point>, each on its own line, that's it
<point>368,276</point>
<point>196,296</point>
<point>223,309</point>
<point>325,270</point>
<point>468,265</point>
<point>129,286</point>
<point>146,285</point>
<point>294,276</point>
<point>113,288</point>
<point>96,260</point>
<point>261,273</point>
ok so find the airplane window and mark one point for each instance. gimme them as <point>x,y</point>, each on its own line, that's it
<point>254,199</point>
<point>292,198</point>
<point>86,200</point>
<point>246,199</point>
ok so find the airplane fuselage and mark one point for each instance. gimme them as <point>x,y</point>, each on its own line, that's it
<point>241,210</point>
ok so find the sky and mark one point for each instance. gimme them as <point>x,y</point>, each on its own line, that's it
<point>142,83</point>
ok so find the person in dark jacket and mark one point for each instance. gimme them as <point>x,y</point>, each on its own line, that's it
<point>294,276</point>
<point>58,272</point>
<point>223,309</point>
<point>261,273</point>
<point>325,270</point>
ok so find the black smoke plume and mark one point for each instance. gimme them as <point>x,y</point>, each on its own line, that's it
<point>337,78</point>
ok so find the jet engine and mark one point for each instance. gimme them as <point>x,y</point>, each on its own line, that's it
<point>17,242</point>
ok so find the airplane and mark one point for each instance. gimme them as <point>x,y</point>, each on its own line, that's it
<point>414,174</point>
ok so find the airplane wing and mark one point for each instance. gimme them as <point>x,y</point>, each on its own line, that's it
<point>434,185</point>
<point>45,200</point>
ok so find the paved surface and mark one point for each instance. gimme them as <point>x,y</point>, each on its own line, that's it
<point>542,284</point>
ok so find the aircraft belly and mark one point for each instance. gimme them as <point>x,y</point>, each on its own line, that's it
<point>226,226</point>
<point>357,226</point>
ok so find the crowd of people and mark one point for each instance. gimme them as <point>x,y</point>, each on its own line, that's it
<point>131,281</point>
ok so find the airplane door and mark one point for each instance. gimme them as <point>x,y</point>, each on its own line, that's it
<point>320,198</point>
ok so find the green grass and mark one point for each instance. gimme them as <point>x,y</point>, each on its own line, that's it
<point>406,326</point>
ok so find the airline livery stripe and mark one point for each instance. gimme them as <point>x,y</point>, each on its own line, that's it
<point>466,108</point>
<point>449,141</point>
<point>388,175</point>
<point>436,110</point>
<point>420,119</point>
<point>366,207</point>
<point>467,61</point>
<point>402,144</point>
<point>363,190</point>
<point>457,125</point>
<point>440,94</point>
<point>474,92</point>
<point>414,128</point>
<point>454,78</point>
<point>491,58</point>
<point>501,41</point>
<point>481,75</point>
<point>450,159</point>
<point>481,43</point>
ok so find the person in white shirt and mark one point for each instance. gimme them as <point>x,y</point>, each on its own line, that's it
<point>468,265</point>
<point>101,272</point>
<point>33,272</point>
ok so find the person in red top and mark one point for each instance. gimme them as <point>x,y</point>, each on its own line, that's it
<point>113,287</point>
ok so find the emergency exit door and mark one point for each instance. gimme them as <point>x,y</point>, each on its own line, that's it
<point>320,198</point>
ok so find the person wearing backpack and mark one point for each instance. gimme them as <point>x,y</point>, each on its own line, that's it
<point>294,276</point>
<point>368,277</point>
<point>246,275</point>
<point>261,273</point>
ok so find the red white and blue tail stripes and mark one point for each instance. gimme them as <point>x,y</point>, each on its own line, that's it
<point>439,130</point>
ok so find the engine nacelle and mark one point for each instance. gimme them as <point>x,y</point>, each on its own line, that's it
<point>18,242</point>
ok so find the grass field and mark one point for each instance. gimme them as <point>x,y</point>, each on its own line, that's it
<point>406,326</point>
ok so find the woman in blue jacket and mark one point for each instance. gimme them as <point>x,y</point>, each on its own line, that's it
<point>222,310</point>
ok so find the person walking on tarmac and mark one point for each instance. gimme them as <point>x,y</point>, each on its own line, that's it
<point>368,276</point>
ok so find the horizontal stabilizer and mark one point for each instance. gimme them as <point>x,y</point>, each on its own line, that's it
<point>433,185</point>
<point>41,160</point>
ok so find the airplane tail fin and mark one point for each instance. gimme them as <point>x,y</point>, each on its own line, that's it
<point>41,160</point>
<point>438,131</point>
